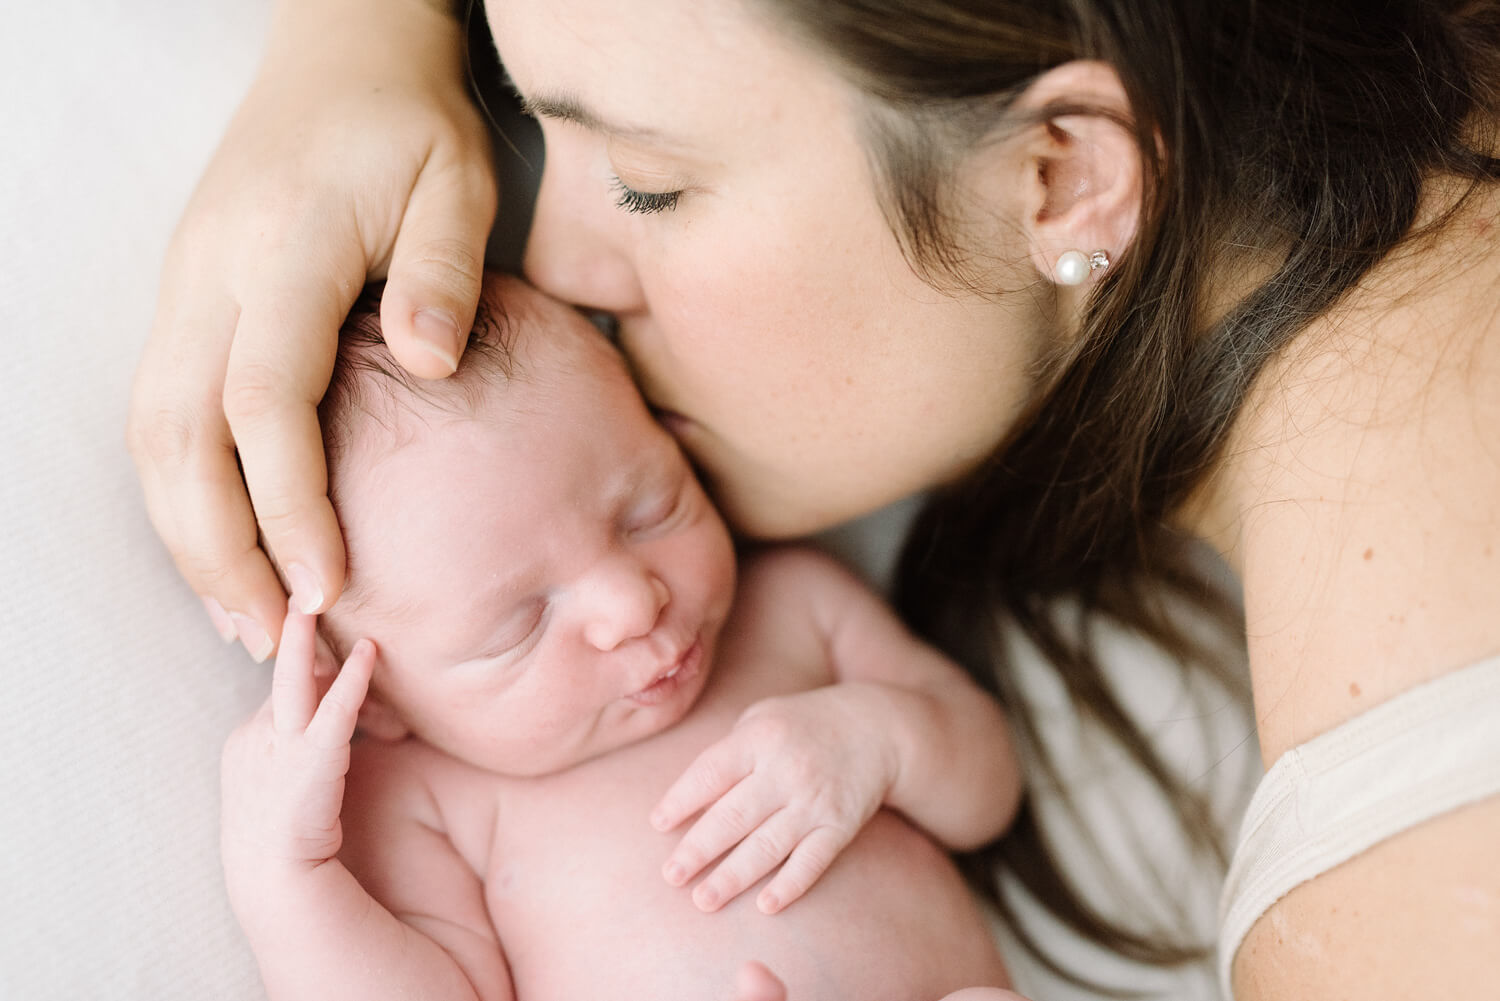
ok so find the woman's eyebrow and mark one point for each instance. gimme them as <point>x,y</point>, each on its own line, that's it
<point>567,108</point>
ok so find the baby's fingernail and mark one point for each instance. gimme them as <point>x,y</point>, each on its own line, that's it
<point>257,641</point>
<point>307,593</point>
<point>768,903</point>
<point>659,820</point>
<point>706,897</point>
<point>223,625</point>
<point>437,333</point>
<point>672,873</point>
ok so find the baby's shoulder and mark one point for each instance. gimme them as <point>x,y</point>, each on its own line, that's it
<point>788,599</point>
<point>792,573</point>
<point>410,776</point>
<point>800,583</point>
<point>410,785</point>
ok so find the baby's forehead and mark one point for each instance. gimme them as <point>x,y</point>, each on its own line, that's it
<point>523,343</point>
<point>531,367</point>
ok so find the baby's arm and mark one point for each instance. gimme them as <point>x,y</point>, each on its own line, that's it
<point>315,930</point>
<point>899,726</point>
<point>959,777</point>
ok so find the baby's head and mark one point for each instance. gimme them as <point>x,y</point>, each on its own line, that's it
<point>542,575</point>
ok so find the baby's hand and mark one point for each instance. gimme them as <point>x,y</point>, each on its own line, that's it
<point>790,786</point>
<point>283,769</point>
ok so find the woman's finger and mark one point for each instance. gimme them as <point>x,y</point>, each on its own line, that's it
<point>185,457</point>
<point>278,370</point>
<point>437,267</point>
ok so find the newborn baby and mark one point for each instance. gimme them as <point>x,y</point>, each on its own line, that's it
<point>564,672</point>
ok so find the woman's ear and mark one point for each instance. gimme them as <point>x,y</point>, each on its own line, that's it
<point>1082,184</point>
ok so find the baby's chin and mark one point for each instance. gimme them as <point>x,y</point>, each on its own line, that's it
<point>631,721</point>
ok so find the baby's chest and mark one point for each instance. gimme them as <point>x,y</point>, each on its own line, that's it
<point>592,822</point>
<point>575,866</point>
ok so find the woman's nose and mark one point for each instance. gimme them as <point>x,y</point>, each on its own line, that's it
<point>573,250</point>
<point>624,602</point>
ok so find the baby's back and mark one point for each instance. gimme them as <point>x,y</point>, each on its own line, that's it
<point>572,873</point>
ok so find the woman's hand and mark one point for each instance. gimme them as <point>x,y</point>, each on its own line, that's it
<point>790,787</point>
<point>357,154</point>
<point>284,768</point>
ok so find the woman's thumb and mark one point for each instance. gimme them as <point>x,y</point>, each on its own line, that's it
<point>436,273</point>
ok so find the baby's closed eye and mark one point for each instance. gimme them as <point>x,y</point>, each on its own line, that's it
<point>516,631</point>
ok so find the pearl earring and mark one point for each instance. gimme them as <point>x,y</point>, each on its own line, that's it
<point>1073,268</point>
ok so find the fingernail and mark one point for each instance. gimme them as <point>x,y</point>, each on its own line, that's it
<point>659,820</point>
<point>768,903</point>
<point>220,618</point>
<point>437,332</point>
<point>707,898</point>
<point>672,873</point>
<point>307,593</point>
<point>257,641</point>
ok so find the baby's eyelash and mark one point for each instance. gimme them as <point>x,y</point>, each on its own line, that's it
<point>643,202</point>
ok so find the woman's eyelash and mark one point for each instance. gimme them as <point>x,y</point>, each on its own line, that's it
<point>643,202</point>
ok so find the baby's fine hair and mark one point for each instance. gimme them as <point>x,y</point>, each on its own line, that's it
<point>369,387</point>
<point>367,383</point>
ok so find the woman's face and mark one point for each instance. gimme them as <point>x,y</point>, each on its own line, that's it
<point>706,183</point>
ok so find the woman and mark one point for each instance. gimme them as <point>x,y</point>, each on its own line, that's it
<point>1103,276</point>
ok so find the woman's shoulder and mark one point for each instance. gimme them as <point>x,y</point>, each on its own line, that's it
<point>1366,477</point>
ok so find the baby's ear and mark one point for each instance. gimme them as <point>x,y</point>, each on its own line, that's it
<point>376,717</point>
<point>325,663</point>
<point>379,721</point>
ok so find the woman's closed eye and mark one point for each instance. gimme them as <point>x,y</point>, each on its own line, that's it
<point>643,202</point>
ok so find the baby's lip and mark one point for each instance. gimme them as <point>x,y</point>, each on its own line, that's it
<point>668,669</point>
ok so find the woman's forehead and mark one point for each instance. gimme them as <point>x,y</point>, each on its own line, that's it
<point>633,70</point>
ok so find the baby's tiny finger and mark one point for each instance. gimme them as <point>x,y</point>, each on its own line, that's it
<point>333,726</point>
<point>804,867</point>
<point>712,774</point>
<point>724,825</point>
<point>294,694</point>
<point>755,856</point>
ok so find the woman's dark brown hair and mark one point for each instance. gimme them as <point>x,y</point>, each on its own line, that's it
<point>1284,130</point>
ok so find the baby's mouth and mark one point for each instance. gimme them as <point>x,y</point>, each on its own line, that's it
<point>684,669</point>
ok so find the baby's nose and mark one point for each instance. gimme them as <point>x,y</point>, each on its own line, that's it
<point>627,602</point>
